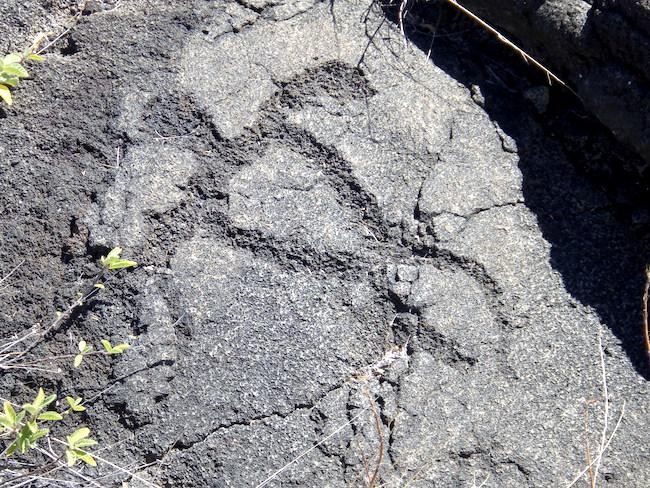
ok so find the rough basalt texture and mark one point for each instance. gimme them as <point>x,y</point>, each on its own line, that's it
<point>343,239</point>
<point>601,48</point>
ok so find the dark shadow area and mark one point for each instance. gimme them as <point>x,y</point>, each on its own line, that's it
<point>581,184</point>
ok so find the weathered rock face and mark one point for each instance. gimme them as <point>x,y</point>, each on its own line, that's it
<point>600,48</point>
<point>341,243</point>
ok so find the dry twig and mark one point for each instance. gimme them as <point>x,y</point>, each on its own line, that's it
<point>500,37</point>
<point>380,436</point>
<point>644,310</point>
<point>307,451</point>
<point>594,466</point>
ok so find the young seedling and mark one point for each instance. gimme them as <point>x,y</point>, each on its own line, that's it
<point>75,405</point>
<point>110,350</point>
<point>77,441</point>
<point>12,70</point>
<point>117,349</point>
<point>112,261</point>
<point>84,349</point>
<point>23,427</point>
<point>12,357</point>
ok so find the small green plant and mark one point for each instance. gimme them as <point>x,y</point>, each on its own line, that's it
<point>12,70</point>
<point>23,429</point>
<point>75,404</point>
<point>77,441</point>
<point>85,349</point>
<point>116,349</point>
<point>113,261</point>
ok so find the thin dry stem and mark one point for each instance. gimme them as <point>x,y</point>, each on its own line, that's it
<point>307,451</point>
<point>5,277</point>
<point>402,13</point>
<point>503,39</point>
<point>594,466</point>
<point>74,20</point>
<point>112,465</point>
<point>644,310</point>
<point>483,483</point>
<point>603,438</point>
<point>380,436</point>
<point>588,458</point>
<point>7,362</point>
<point>600,454</point>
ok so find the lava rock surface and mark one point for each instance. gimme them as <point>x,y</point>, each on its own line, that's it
<point>339,230</point>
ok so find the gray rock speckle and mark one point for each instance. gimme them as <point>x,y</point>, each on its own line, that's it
<point>287,197</point>
<point>340,244</point>
<point>149,181</point>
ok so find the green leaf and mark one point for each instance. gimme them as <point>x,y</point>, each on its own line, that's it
<point>5,94</point>
<point>32,426</point>
<point>23,444</point>
<point>75,404</point>
<point>23,438</point>
<point>35,57</point>
<point>48,400</point>
<point>9,80</point>
<point>77,360</point>
<point>113,261</point>
<point>30,409</point>
<point>40,397</point>
<point>121,263</point>
<point>114,253</point>
<point>86,443</point>
<point>12,448</point>
<point>77,435</point>
<point>51,415</point>
<point>16,69</point>
<point>37,435</point>
<point>117,349</point>
<point>99,285</point>
<point>82,345</point>
<point>5,422</point>
<point>70,457</point>
<point>12,58</point>
<point>88,459</point>
<point>10,412</point>
<point>120,348</point>
<point>107,346</point>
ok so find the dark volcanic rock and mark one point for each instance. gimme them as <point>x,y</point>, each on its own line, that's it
<point>348,246</point>
<point>600,48</point>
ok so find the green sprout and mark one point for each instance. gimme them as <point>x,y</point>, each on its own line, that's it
<point>12,71</point>
<point>75,404</point>
<point>75,447</point>
<point>116,349</point>
<point>84,349</point>
<point>23,429</point>
<point>109,350</point>
<point>112,261</point>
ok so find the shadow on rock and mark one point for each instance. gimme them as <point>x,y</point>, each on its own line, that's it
<point>575,176</point>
